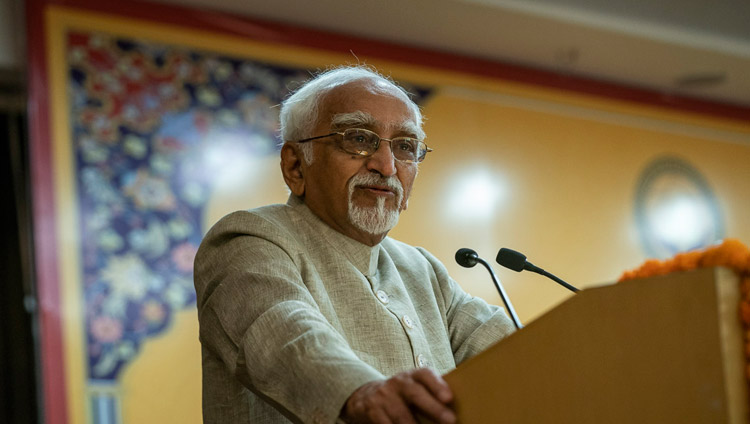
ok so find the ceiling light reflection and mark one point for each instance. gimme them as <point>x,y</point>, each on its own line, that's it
<point>475,194</point>
<point>229,161</point>
<point>682,222</point>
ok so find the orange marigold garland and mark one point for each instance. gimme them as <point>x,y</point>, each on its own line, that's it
<point>731,253</point>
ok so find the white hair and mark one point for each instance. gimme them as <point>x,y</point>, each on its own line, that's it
<point>299,112</point>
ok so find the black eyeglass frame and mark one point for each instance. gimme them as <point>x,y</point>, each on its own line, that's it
<point>377,145</point>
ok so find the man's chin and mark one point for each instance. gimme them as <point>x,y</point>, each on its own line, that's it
<point>373,221</point>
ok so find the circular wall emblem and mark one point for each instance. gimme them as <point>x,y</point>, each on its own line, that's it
<point>675,209</point>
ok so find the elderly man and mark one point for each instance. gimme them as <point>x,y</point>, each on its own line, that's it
<point>308,312</point>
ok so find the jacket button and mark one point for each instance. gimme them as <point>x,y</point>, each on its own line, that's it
<point>407,321</point>
<point>383,297</point>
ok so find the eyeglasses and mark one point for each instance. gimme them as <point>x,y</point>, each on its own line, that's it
<point>363,142</point>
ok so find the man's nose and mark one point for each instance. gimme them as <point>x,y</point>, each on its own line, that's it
<point>382,161</point>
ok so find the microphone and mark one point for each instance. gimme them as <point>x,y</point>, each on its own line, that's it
<point>467,258</point>
<point>517,262</point>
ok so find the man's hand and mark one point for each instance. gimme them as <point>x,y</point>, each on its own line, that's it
<point>392,400</point>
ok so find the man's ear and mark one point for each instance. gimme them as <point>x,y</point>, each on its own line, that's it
<point>291,169</point>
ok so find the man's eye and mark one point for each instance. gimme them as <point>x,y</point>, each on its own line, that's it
<point>406,145</point>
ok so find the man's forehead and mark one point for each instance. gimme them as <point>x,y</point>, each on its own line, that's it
<point>368,103</point>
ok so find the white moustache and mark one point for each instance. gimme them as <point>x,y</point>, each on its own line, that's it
<point>371,179</point>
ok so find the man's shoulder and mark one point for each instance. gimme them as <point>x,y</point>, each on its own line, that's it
<point>260,221</point>
<point>273,212</point>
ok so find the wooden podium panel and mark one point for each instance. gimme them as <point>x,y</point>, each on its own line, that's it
<point>659,350</point>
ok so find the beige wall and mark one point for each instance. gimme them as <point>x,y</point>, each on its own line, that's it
<point>567,178</point>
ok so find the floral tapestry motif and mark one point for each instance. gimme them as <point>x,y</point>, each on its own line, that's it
<point>153,128</point>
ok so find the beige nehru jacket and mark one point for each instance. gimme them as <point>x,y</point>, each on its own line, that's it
<point>294,316</point>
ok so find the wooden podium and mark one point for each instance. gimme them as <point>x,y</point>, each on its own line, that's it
<point>659,350</point>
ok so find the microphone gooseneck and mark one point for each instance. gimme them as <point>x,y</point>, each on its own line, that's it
<point>468,258</point>
<point>517,262</point>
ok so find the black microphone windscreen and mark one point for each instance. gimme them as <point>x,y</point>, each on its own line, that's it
<point>511,259</point>
<point>466,257</point>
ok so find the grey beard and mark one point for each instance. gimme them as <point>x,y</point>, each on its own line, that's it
<point>377,219</point>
